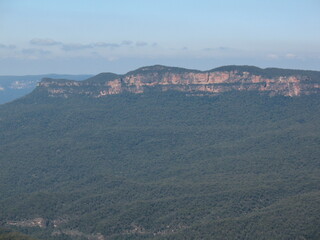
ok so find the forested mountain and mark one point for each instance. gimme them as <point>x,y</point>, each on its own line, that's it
<point>7,234</point>
<point>269,81</point>
<point>160,164</point>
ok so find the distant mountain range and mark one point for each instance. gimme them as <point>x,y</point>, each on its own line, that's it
<point>271,81</point>
<point>12,87</point>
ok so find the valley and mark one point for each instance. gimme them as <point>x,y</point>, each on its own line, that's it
<point>161,164</point>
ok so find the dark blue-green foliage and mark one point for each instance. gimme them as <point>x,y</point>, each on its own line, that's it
<point>234,166</point>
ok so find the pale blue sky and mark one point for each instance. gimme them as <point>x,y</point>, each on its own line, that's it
<point>82,36</point>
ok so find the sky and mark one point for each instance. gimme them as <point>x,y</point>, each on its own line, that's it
<point>93,36</point>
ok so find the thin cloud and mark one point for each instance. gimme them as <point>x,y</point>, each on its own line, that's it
<point>104,44</point>
<point>272,56</point>
<point>4,46</point>
<point>35,51</point>
<point>141,44</point>
<point>282,56</point>
<point>75,46</point>
<point>221,48</point>
<point>80,46</point>
<point>44,42</point>
<point>224,48</point>
<point>290,55</point>
<point>126,43</point>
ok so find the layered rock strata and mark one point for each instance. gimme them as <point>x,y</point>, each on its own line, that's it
<point>160,78</point>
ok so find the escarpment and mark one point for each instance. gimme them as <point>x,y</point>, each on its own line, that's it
<point>160,78</point>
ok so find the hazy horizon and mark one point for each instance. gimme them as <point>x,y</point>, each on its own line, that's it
<point>89,37</point>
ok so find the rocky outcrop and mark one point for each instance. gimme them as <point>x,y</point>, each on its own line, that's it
<point>36,222</point>
<point>161,78</point>
<point>56,226</point>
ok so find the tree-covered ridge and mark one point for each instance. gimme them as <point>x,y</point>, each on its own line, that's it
<point>102,77</point>
<point>217,81</point>
<point>160,69</point>
<point>264,72</point>
<point>270,72</point>
<point>7,234</point>
<point>162,166</point>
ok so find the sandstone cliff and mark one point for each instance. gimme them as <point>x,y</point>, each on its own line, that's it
<point>194,82</point>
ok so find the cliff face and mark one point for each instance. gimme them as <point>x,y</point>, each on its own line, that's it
<point>160,78</point>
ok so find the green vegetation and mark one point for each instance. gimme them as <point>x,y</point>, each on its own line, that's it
<point>163,166</point>
<point>102,78</point>
<point>160,69</point>
<point>6,234</point>
<point>271,72</point>
<point>264,72</point>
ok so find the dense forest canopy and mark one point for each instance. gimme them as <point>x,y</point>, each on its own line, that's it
<point>162,166</point>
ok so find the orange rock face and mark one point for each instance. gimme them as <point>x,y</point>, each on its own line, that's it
<point>189,82</point>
